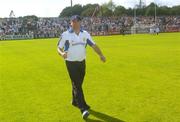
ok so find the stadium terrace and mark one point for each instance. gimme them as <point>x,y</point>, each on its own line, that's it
<point>33,27</point>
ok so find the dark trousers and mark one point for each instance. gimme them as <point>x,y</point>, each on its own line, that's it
<point>76,72</point>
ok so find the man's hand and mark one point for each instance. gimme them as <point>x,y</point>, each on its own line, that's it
<point>99,52</point>
<point>64,55</point>
<point>103,59</point>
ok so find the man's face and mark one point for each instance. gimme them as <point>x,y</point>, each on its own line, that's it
<point>75,24</point>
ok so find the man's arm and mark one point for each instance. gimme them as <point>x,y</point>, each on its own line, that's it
<point>63,46</point>
<point>62,53</point>
<point>99,52</point>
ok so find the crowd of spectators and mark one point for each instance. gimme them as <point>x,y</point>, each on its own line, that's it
<point>53,27</point>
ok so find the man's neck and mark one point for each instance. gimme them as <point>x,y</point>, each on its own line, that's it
<point>77,31</point>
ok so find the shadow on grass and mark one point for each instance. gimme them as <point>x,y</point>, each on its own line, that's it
<point>103,117</point>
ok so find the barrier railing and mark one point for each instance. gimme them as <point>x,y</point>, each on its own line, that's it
<point>16,37</point>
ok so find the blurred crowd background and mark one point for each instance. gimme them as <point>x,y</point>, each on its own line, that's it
<point>53,27</point>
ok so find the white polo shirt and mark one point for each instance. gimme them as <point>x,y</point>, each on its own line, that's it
<point>75,45</point>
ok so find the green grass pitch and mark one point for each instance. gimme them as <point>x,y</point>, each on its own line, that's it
<point>140,82</point>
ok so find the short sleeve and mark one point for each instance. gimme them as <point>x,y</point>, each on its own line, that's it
<point>61,41</point>
<point>90,42</point>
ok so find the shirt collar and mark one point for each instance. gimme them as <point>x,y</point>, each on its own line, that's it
<point>71,30</point>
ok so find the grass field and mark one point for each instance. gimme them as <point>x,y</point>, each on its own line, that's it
<point>140,82</point>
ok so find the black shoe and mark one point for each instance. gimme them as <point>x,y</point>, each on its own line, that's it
<point>85,114</point>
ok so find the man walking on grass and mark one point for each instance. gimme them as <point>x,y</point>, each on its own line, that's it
<point>72,47</point>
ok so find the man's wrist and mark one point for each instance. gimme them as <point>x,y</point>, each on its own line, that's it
<point>101,56</point>
<point>62,53</point>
